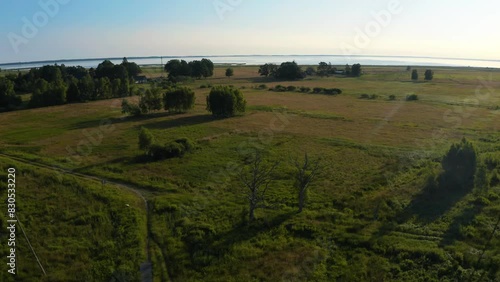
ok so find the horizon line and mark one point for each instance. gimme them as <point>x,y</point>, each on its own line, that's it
<point>240,55</point>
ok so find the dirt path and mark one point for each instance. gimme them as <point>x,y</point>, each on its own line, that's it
<point>146,267</point>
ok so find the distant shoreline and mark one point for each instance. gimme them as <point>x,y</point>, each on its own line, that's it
<point>241,56</point>
<point>254,60</point>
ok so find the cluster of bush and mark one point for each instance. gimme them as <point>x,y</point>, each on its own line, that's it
<point>410,97</point>
<point>156,152</point>
<point>174,149</point>
<point>57,85</point>
<point>287,70</point>
<point>303,89</point>
<point>291,71</point>
<point>368,96</point>
<point>203,86</point>
<point>325,69</point>
<point>180,69</point>
<point>223,101</point>
<point>175,100</point>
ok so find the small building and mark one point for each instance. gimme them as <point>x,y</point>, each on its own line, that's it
<point>141,79</point>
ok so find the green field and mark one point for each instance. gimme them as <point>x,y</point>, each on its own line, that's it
<point>366,217</point>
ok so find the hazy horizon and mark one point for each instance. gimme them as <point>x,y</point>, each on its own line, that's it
<point>73,29</point>
<point>242,55</point>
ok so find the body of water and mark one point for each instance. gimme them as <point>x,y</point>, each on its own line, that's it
<point>262,59</point>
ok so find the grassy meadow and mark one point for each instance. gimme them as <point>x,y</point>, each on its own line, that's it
<point>79,229</point>
<point>366,218</point>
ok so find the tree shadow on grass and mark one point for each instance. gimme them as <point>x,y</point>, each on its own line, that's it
<point>465,218</point>
<point>257,79</point>
<point>433,202</point>
<point>181,121</point>
<point>428,206</point>
<point>244,232</point>
<point>120,160</point>
<point>96,123</point>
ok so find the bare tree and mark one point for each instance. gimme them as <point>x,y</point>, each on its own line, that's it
<point>256,178</point>
<point>305,173</point>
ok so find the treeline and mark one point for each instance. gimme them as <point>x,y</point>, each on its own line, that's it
<point>287,70</point>
<point>179,69</point>
<point>56,85</point>
<point>326,69</point>
<point>8,98</point>
<point>292,71</point>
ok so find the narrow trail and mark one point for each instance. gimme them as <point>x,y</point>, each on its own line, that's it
<point>146,267</point>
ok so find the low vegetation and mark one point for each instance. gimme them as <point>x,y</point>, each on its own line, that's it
<point>75,226</point>
<point>225,101</point>
<point>388,191</point>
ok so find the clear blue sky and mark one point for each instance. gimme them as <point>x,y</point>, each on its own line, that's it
<point>116,28</point>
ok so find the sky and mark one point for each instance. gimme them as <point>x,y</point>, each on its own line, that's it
<point>33,30</point>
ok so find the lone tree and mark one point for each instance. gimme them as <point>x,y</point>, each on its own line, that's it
<point>289,70</point>
<point>229,72</point>
<point>179,100</point>
<point>459,166</point>
<point>225,101</point>
<point>414,75</point>
<point>146,139</point>
<point>305,172</point>
<point>356,70</point>
<point>429,75</point>
<point>256,177</point>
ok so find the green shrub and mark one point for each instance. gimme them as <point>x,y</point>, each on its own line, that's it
<point>225,101</point>
<point>305,89</point>
<point>151,100</point>
<point>262,86</point>
<point>411,97</point>
<point>364,96</point>
<point>186,143</point>
<point>130,108</point>
<point>291,88</point>
<point>146,139</point>
<point>179,100</point>
<point>173,150</point>
<point>392,97</point>
<point>279,88</point>
<point>332,91</point>
<point>318,90</point>
<point>170,150</point>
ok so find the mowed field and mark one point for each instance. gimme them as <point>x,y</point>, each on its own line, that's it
<point>364,218</point>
